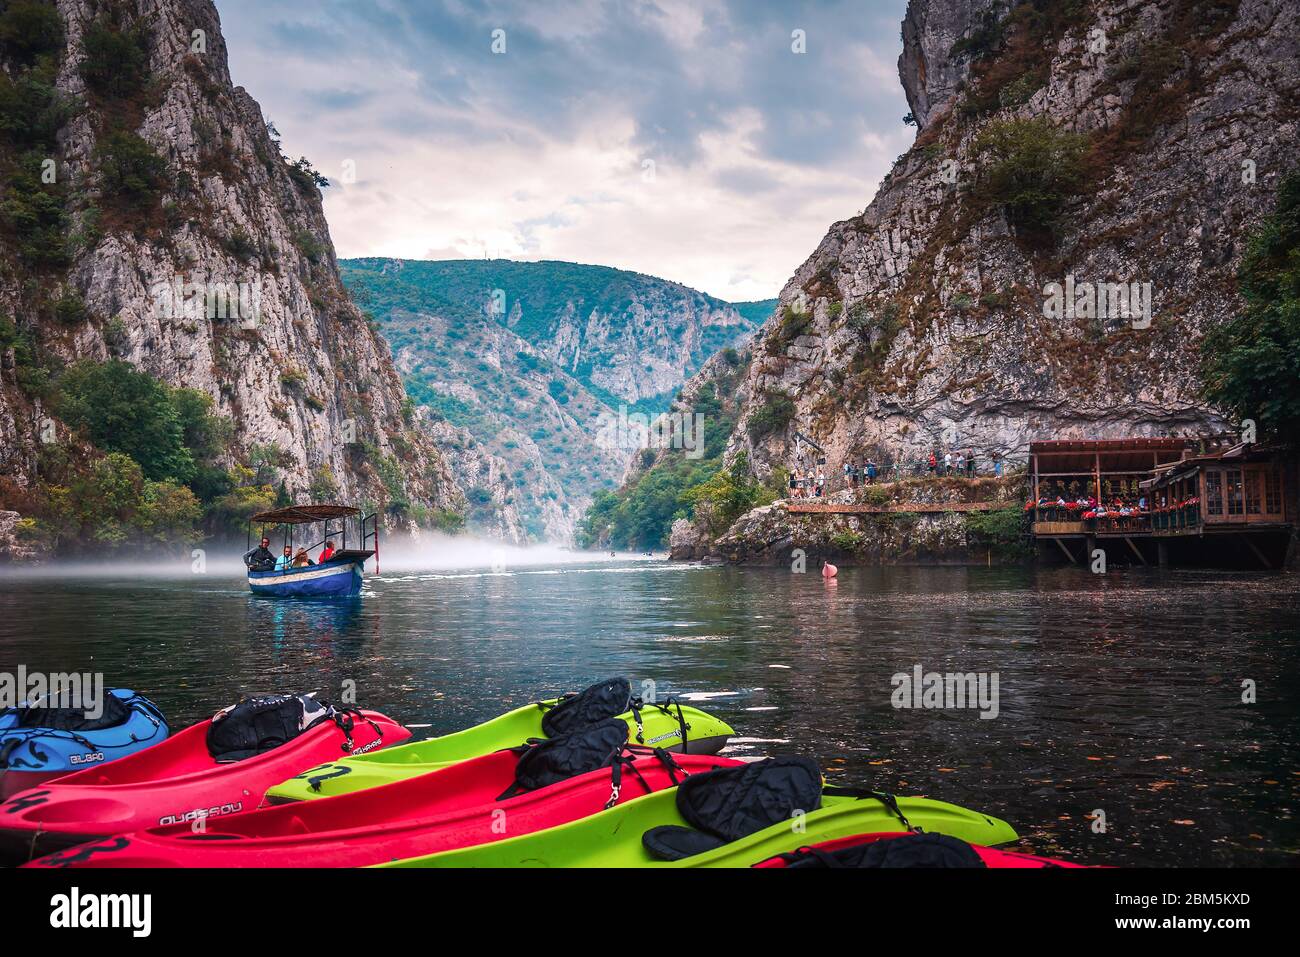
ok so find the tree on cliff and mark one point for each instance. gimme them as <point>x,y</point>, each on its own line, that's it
<point>1252,362</point>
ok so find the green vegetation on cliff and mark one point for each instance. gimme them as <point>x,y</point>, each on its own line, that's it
<point>1252,361</point>
<point>640,515</point>
<point>142,466</point>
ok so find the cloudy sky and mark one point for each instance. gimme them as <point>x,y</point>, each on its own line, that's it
<point>681,138</point>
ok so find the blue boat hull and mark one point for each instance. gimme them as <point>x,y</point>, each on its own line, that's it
<point>39,754</point>
<point>327,580</point>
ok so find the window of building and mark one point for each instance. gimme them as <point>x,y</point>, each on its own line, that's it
<point>1273,492</point>
<point>1252,480</point>
<point>1214,493</point>
<point>1236,492</point>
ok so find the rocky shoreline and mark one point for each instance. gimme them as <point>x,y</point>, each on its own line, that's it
<point>901,524</point>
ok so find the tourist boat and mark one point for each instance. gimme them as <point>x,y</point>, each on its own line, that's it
<point>340,576</point>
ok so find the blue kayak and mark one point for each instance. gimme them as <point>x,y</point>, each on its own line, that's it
<point>38,743</point>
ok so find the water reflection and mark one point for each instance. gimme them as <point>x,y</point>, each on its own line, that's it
<point>1119,693</point>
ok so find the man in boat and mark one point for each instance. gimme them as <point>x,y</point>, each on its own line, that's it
<point>260,559</point>
<point>285,560</point>
<point>327,552</point>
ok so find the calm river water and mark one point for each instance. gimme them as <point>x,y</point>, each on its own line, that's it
<point>1120,693</point>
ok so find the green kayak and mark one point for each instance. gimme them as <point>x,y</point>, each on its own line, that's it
<point>660,726</point>
<point>613,838</point>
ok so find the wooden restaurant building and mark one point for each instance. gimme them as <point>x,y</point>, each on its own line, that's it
<point>1162,500</point>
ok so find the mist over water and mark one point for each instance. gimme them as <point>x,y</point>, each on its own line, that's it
<point>429,552</point>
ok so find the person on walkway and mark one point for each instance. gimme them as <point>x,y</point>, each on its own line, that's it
<point>970,463</point>
<point>933,463</point>
<point>947,462</point>
<point>871,472</point>
<point>997,464</point>
<point>960,463</point>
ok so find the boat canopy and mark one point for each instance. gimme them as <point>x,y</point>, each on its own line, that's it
<point>303,514</point>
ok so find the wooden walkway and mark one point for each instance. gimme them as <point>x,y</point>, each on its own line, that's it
<point>918,508</point>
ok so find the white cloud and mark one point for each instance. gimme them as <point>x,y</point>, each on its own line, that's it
<point>459,156</point>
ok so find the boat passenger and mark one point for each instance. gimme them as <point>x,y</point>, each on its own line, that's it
<point>302,559</point>
<point>327,552</point>
<point>285,560</point>
<point>260,559</point>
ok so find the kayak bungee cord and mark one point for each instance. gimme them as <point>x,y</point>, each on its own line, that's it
<point>344,718</point>
<point>884,797</point>
<point>637,705</point>
<point>29,736</point>
<point>628,757</point>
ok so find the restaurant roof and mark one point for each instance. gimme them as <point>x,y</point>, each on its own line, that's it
<point>1116,455</point>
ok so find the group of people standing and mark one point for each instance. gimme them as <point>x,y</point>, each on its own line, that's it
<point>807,486</point>
<point>961,463</point>
<point>812,484</point>
<point>865,473</point>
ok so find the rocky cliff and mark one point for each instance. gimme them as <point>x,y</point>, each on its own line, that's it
<point>1112,153</point>
<point>196,252</point>
<point>531,368</point>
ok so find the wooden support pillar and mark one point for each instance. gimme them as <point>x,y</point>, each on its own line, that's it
<point>1263,559</point>
<point>1162,553</point>
<point>1068,554</point>
<point>1035,458</point>
<point>1136,551</point>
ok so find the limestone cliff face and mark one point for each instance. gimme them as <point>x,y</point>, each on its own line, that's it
<point>534,360</point>
<point>305,372</point>
<point>642,348</point>
<point>922,322</point>
<point>930,74</point>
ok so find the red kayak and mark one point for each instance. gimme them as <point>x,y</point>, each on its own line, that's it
<point>474,802</point>
<point>923,850</point>
<point>177,781</point>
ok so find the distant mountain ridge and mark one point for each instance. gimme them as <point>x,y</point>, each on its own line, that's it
<point>526,359</point>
